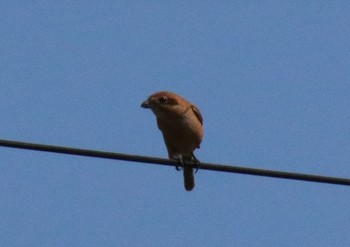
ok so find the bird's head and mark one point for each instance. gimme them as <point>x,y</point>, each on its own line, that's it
<point>163,102</point>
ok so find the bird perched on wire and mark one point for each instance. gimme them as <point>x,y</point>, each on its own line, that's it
<point>181,126</point>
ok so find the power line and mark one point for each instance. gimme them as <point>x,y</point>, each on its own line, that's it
<point>160,161</point>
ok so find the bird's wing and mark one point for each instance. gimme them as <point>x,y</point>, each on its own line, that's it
<point>197,113</point>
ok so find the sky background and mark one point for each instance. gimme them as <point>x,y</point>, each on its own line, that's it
<point>272,81</point>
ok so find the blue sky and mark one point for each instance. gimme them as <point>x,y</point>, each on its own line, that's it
<point>271,79</point>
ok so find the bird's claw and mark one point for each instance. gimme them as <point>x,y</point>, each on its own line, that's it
<point>181,162</point>
<point>196,163</point>
<point>178,168</point>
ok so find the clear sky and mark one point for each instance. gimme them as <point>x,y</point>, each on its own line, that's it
<point>271,78</point>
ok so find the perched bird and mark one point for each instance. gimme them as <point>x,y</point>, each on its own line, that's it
<point>181,126</point>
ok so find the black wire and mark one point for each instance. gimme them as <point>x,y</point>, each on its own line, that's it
<point>160,161</point>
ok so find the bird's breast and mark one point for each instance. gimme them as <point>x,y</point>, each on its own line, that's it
<point>184,134</point>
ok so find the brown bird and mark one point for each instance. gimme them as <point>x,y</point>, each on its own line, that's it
<point>181,125</point>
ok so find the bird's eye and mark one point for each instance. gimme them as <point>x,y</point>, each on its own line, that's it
<point>163,99</point>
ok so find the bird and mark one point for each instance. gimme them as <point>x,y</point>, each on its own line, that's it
<point>181,124</point>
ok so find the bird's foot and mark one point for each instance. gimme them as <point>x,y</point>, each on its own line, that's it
<point>179,158</point>
<point>196,163</point>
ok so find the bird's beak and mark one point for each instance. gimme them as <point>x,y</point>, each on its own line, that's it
<point>146,104</point>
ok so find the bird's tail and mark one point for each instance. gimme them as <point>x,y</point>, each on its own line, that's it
<point>188,178</point>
